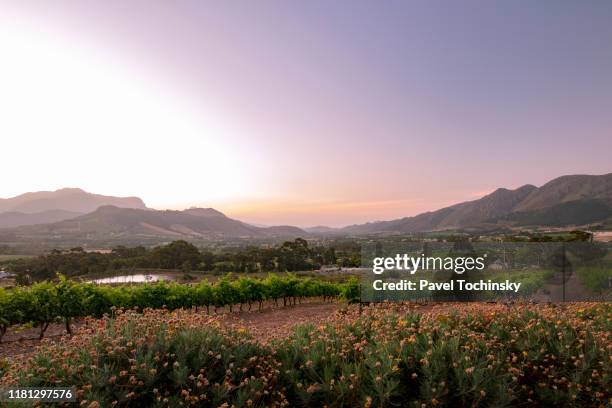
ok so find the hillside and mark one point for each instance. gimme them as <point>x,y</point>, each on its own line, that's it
<point>15,219</point>
<point>320,229</point>
<point>569,188</point>
<point>74,200</point>
<point>567,200</point>
<point>111,221</point>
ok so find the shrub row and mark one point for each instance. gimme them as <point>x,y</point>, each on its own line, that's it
<point>47,301</point>
<point>532,357</point>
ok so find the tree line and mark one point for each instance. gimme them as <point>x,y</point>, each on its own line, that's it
<point>289,256</point>
<point>45,302</point>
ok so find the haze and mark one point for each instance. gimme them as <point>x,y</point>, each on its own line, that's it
<point>302,113</point>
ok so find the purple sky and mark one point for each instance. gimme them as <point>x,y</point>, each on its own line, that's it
<point>348,111</point>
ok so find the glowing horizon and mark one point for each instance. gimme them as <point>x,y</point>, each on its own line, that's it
<point>305,114</point>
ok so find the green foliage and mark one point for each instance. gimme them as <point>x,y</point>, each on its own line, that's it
<point>69,300</point>
<point>16,307</point>
<point>383,358</point>
<point>351,291</point>
<point>178,254</point>
<point>290,256</point>
<point>204,294</point>
<point>5,313</point>
<point>44,302</point>
<point>596,278</point>
<point>453,361</point>
<point>44,306</point>
<point>171,368</point>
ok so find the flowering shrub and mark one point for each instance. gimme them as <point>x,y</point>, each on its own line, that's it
<point>390,355</point>
<point>472,357</point>
<point>157,358</point>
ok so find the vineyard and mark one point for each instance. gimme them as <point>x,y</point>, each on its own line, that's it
<point>449,355</point>
<point>46,302</point>
<point>165,345</point>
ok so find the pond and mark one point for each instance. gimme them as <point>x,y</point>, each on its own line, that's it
<point>136,278</point>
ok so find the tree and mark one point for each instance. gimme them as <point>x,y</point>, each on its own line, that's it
<point>175,254</point>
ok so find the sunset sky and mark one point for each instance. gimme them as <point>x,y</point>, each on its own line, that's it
<point>303,112</point>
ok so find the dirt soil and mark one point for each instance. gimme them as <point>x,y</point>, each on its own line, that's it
<point>20,341</point>
<point>277,323</point>
<point>264,325</point>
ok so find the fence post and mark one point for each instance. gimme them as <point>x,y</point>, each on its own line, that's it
<point>563,269</point>
<point>360,306</point>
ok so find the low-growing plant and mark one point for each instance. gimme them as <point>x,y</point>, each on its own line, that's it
<point>385,357</point>
<point>147,360</point>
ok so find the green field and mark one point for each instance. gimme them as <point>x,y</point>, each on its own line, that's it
<point>4,258</point>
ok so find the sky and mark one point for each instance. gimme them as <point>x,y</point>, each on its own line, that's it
<point>303,112</point>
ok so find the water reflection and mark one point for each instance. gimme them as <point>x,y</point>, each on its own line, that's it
<point>136,278</point>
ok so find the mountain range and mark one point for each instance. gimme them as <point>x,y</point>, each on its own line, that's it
<point>44,207</point>
<point>564,201</point>
<point>202,223</point>
<point>74,213</point>
<point>67,199</point>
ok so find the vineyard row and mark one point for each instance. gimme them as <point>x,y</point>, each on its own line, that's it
<point>46,302</point>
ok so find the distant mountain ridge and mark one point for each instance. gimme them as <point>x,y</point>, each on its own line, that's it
<point>44,207</point>
<point>191,223</point>
<point>66,199</point>
<point>12,219</point>
<point>566,200</point>
<point>319,229</point>
<point>569,188</point>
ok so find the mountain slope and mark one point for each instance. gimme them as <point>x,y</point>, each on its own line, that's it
<point>567,200</point>
<point>577,212</point>
<point>67,199</point>
<point>501,201</point>
<point>15,219</point>
<point>320,229</point>
<point>569,188</point>
<point>194,222</point>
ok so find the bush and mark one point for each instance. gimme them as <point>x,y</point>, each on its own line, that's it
<point>144,360</point>
<point>537,356</point>
<point>475,359</point>
<point>595,278</point>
